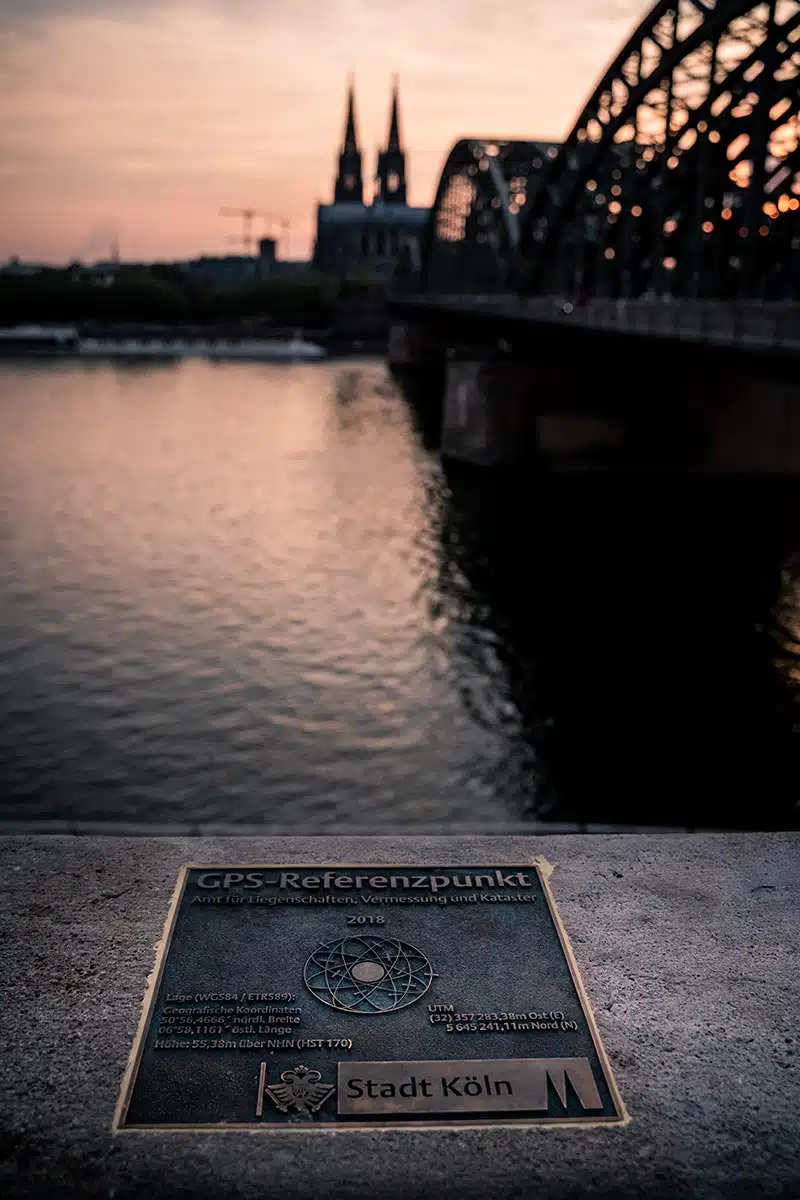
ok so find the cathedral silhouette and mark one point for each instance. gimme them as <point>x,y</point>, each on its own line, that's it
<point>358,237</point>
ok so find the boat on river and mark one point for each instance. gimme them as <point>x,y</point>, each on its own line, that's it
<point>21,341</point>
<point>131,348</point>
<point>24,340</point>
<point>295,349</point>
<point>218,349</point>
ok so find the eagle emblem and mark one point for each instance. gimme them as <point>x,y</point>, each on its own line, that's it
<point>300,1089</point>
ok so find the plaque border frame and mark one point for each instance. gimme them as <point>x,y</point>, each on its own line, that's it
<point>620,1118</point>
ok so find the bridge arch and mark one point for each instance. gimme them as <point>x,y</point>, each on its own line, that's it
<point>472,242</point>
<point>682,174</point>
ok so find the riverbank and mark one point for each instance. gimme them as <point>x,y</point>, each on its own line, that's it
<point>687,945</point>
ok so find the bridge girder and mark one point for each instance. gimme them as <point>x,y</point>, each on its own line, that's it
<point>682,174</point>
<point>473,237</point>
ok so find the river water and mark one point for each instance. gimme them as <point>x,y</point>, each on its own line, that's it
<point>246,593</point>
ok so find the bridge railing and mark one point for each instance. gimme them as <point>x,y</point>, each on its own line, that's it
<point>752,325</point>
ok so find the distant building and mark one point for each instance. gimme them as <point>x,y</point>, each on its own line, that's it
<point>358,238</point>
<point>231,271</point>
<point>15,267</point>
<point>99,274</point>
<point>267,250</point>
<point>290,268</point>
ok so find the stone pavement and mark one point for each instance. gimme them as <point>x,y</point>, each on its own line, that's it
<point>687,944</point>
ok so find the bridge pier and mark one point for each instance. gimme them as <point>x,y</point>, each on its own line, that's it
<point>755,428</point>
<point>486,412</point>
<point>412,346</point>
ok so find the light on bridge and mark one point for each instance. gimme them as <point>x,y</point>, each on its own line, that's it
<point>636,211</point>
<point>738,146</point>
<point>740,175</point>
<point>609,252</point>
<point>780,108</point>
<point>771,209</point>
<point>708,226</point>
<point>763,230</point>
<point>726,214</point>
<point>745,106</point>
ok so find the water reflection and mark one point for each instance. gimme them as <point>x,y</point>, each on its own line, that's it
<point>632,621</point>
<point>249,593</point>
<point>220,591</point>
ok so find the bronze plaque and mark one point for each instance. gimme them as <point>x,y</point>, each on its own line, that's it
<point>356,997</point>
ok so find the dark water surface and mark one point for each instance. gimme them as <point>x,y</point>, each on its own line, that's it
<point>251,593</point>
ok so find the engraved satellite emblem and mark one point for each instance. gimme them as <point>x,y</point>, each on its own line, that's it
<point>300,1089</point>
<point>367,974</point>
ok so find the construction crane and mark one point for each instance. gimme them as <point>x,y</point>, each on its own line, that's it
<point>247,215</point>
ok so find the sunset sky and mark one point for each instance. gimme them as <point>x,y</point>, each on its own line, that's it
<point>141,118</point>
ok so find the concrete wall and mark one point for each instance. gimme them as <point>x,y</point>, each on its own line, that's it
<point>567,395</point>
<point>757,428</point>
<point>489,412</point>
<point>688,946</point>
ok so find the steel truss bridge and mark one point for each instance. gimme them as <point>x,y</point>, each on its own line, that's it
<point>680,181</point>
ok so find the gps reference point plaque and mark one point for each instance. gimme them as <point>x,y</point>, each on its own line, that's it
<point>355,997</point>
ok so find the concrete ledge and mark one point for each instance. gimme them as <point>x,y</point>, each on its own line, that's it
<point>211,829</point>
<point>687,944</point>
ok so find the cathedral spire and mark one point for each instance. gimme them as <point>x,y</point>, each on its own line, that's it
<point>349,187</point>
<point>394,124</point>
<point>392,160</point>
<point>350,143</point>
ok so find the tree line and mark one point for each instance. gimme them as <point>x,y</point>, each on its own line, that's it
<point>168,295</point>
